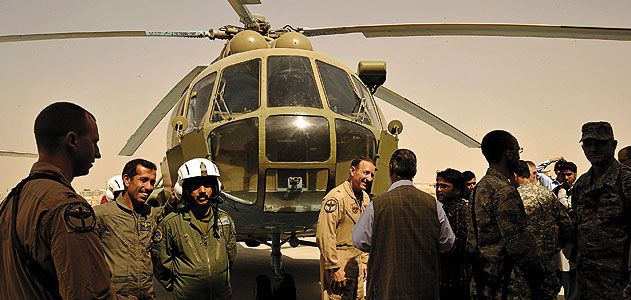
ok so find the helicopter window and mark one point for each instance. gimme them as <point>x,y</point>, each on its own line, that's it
<point>353,140</point>
<point>371,108</point>
<point>199,101</point>
<point>297,138</point>
<point>339,90</point>
<point>234,148</point>
<point>238,90</point>
<point>290,82</point>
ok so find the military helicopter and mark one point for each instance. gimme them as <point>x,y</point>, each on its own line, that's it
<point>282,121</point>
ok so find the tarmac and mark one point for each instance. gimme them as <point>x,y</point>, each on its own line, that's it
<point>302,262</point>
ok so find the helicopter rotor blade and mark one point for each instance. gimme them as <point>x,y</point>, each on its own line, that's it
<point>103,34</point>
<point>508,30</point>
<point>16,153</point>
<point>243,12</point>
<point>422,114</point>
<point>158,113</point>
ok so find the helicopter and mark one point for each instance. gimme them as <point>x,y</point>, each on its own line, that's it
<point>292,181</point>
<point>13,153</point>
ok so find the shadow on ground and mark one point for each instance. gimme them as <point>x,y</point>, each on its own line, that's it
<point>302,263</point>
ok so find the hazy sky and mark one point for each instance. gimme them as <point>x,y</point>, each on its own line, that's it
<point>541,90</point>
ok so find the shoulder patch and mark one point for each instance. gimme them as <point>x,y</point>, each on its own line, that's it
<point>157,236</point>
<point>330,206</point>
<point>70,195</point>
<point>79,217</point>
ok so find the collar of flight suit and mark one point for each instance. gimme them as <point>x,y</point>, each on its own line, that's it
<point>188,216</point>
<point>48,168</point>
<point>349,190</point>
<point>120,201</point>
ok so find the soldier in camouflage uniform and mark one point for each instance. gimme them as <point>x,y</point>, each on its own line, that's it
<point>548,223</point>
<point>602,199</point>
<point>502,242</point>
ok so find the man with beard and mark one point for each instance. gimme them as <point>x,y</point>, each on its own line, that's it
<point>469,183</point>
<point>504,246</point>
<point>455,269</point>
<point>544,213</point>
<point>126,226</point>
<point>342,266</point>
<point>196,247</point>
<point>602,201</point>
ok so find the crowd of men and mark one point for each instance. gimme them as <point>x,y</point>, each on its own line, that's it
<point>515,234</point>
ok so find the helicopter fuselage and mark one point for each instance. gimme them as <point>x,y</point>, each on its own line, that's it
<point>282,125</point>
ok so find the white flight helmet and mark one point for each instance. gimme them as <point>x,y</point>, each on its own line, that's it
<point>114,184</point>
<point>196,167</point>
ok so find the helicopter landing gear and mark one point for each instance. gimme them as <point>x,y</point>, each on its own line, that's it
<point>283,285</point>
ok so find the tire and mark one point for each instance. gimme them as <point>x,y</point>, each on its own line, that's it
<point>263,290</point>
<point>286,289</point>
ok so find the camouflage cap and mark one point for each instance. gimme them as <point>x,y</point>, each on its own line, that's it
<point>597,130</point>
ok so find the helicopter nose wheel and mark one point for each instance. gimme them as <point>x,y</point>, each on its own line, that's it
<point>284,285</point>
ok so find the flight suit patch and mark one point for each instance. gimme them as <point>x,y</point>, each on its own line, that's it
<point>224,221</point>
<point>330,206</point>
<point>145,225</point>
<point>71,195</point>
<point>79,217</point>
<point>355,208</point>
<point>157,236</point>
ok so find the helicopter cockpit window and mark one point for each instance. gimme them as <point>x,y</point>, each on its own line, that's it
<point>353,140</point>
<point>340,93</point>
<point>371,108</point>
<point>297,138</point>
<point>234,148</point>
<point>290,82</point>
<point>238,90</point>
<point>199,101</point>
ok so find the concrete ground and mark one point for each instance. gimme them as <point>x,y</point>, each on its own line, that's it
<point>302,262</point>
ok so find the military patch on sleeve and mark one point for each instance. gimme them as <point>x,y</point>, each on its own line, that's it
<point>71,195</point>
<point>330,206</point>
<point>79,217</point>
<point>224,220</point>
<point>157,236</point>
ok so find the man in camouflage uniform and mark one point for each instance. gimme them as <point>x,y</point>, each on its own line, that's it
<point>49,245</point>
<point>548,223</point>
<point>602,199</point>
<point>126,226</point>
<point>342,266</point>
<point>503,244</point>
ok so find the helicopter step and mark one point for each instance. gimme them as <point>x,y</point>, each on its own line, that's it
<point>282,286</point>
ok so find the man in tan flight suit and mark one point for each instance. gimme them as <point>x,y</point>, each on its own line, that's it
<point>49,245</point>
<point>342,266</point>
<point>126,226</point>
